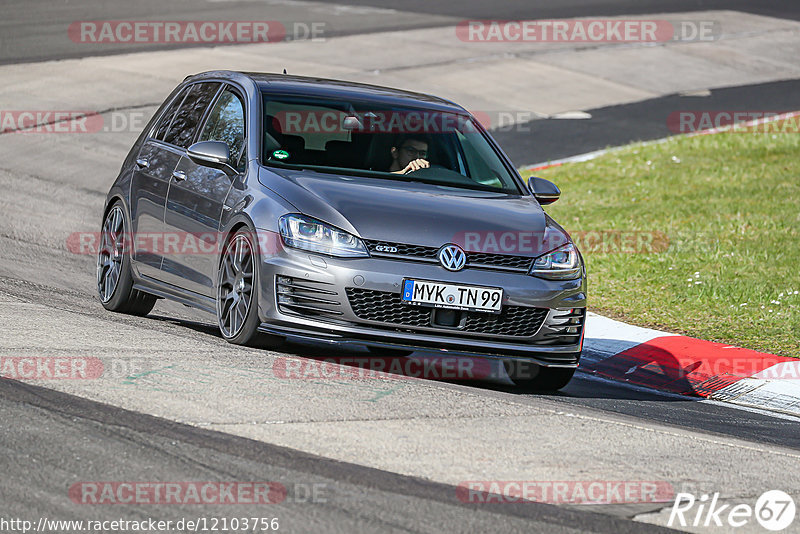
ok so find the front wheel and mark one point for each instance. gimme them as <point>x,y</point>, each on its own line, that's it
<point>114,278</point>
<point>237,294</point>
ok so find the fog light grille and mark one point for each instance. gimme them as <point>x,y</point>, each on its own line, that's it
<point>306,297</point>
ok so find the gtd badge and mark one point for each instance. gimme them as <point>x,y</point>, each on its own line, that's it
<point>385,248</point>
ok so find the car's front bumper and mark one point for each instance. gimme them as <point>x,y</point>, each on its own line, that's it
<point>313,302</point>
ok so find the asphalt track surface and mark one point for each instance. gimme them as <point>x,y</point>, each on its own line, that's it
<point>544,9</point>
<point>354,498</point>
<point>45,430</point>
<point>33,30</point>
<point>545,140</point>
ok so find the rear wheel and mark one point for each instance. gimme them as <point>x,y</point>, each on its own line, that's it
<point>529,378</point>
<point>114,278</point>
<point>237,294</point>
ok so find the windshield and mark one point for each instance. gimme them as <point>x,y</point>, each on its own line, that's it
<point>364,138</point>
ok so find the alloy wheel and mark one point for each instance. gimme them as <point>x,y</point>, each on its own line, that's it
<point>235,286</point>
<point>110,254</point>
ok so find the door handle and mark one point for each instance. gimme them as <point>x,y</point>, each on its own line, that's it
<point>179,176</point>
<point>142,163</point>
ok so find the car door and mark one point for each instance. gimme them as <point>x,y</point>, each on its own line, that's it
<point>149,184</point>
<point>197,195</point>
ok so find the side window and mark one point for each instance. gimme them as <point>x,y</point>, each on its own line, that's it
<point>226,123</point>
<point>189,114</point>
<point>477,161</point>
<point>169,114</point>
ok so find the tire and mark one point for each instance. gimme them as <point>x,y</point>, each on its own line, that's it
<point>114,278</point>
<point>237,294</point>
<point>546,379</point>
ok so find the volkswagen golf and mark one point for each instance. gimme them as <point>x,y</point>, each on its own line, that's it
<point>311,209</point>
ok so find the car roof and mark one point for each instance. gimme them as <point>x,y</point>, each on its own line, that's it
<point>286,84</point>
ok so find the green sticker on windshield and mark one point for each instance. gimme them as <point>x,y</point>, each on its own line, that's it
<point>280,154</point>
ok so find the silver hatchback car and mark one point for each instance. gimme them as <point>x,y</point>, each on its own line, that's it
<point>313,209</point>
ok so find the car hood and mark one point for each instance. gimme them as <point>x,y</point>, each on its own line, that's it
<point>419,214</point>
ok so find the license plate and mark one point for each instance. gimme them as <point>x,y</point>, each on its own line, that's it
<point>452,296</point>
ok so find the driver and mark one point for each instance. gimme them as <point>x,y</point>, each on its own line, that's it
<point>409,154</point>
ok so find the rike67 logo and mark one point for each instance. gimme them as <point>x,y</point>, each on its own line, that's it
<point>774,510</point>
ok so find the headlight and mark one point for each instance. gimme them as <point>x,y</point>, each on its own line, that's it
<point>305,233</point>
<point>564,263</point>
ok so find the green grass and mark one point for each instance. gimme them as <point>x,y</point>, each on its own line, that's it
<point>729,205</point>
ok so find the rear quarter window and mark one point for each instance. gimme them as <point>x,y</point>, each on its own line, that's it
<point>184,124</point>
<point>169,114</point>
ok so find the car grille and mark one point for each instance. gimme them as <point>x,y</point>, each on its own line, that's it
<point>414,251</point>
<point>386,307</point>
<point>481,259</point>
<point>512,321</point>
<point>476,260</point>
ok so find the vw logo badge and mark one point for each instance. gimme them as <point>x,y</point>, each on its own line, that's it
<point>452,257</point>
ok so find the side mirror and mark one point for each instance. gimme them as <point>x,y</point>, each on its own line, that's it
<point>545,191</point>
<point>214,154</point>
<point>352,122</point>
